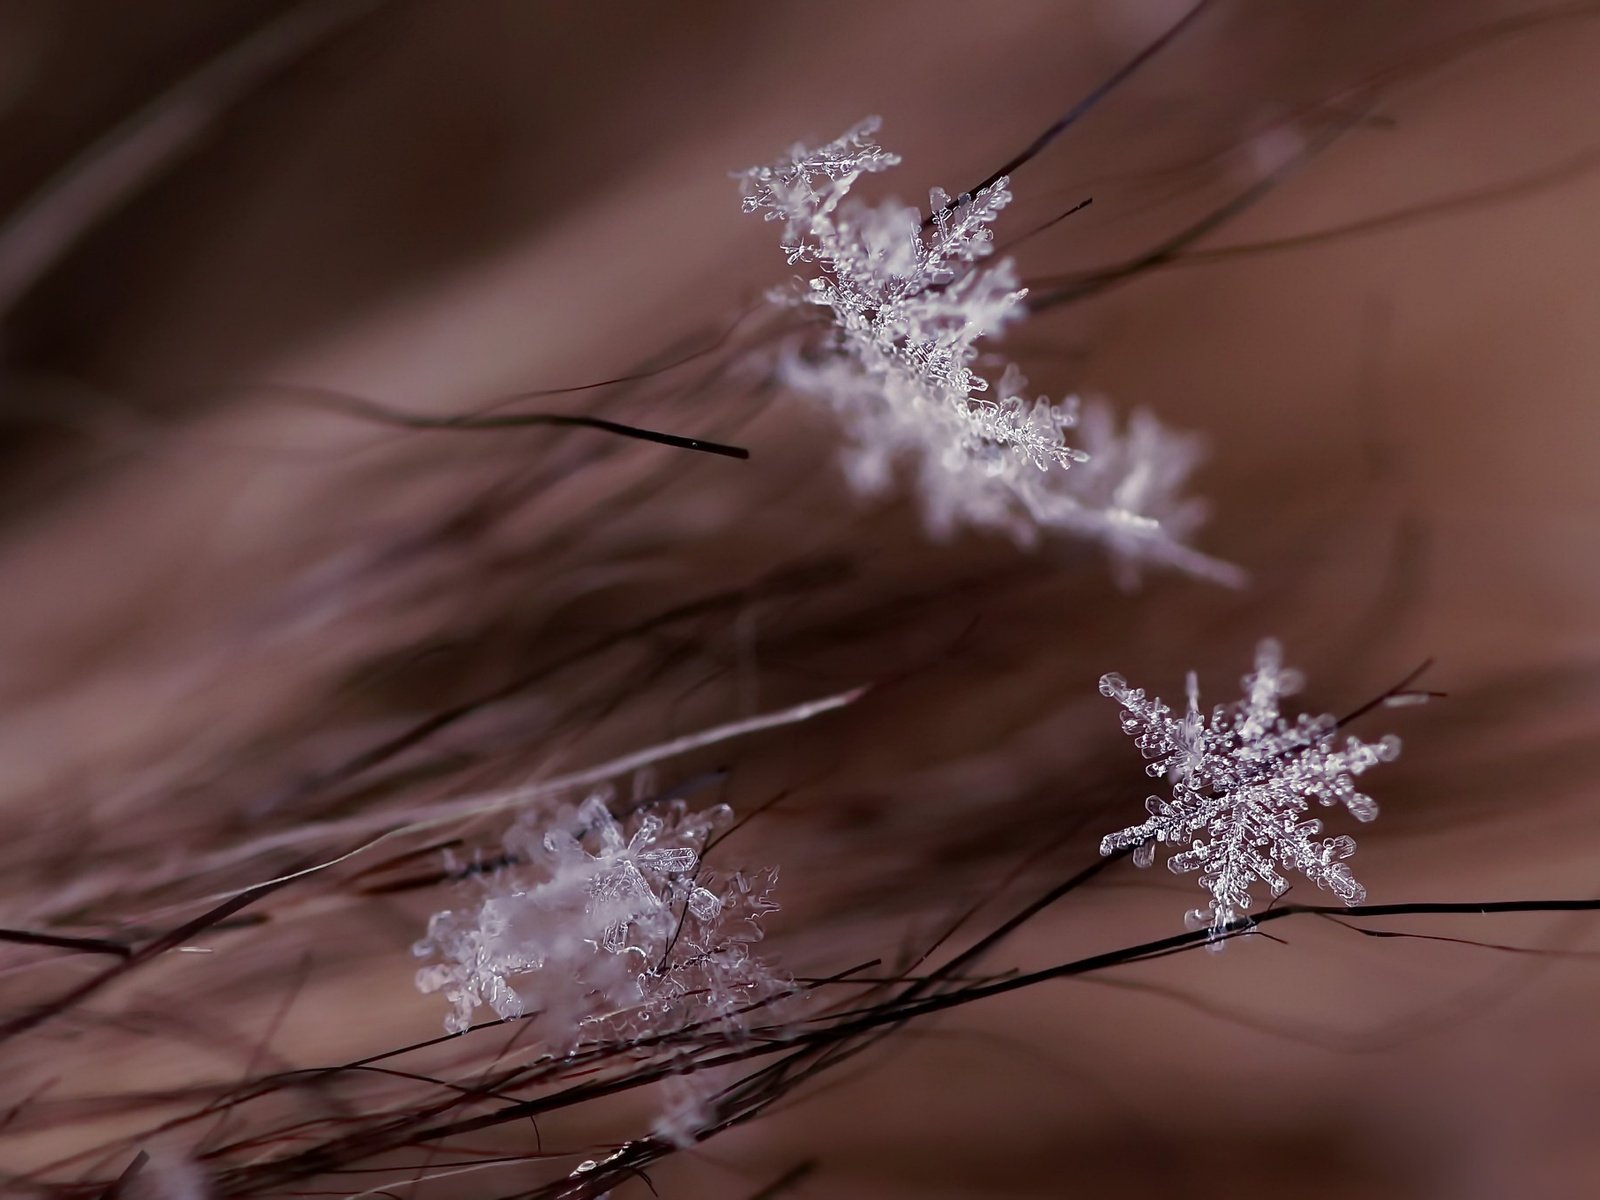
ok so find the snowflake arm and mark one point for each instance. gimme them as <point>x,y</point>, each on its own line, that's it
<point>788,189</point>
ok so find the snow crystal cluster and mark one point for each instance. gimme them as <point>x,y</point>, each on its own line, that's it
<point>1242,780</point>
<point>910,304</point>
<point>607,927</point>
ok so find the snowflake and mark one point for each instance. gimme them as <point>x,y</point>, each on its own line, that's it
<point>909,306</point>
<point>1242,781</point>
<point>609,930</point>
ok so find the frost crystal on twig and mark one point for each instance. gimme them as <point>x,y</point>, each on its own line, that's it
<point>1241,782</point>
<point>604,929</point>
<point>910,304</point>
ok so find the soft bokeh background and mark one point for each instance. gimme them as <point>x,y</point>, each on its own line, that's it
<point>216,593</point>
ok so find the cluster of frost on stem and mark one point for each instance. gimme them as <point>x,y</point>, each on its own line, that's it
<point>910,303</point>
<point>1242,781</point>
<point>604,927</point>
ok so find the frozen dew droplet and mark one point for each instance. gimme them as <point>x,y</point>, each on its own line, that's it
<point>1406,699</point>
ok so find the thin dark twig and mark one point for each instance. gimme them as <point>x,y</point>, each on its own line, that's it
<point>1050,224</point>
<point>302,975</point>
<point>1536,951</point>
<point>1403,688</point>
<point>1093,282</point>
<point>1565,172</point>
<point>1017,920</point>
<point>371,410</point>
<point>76,995</point>
<point>784,580</point>
<point>58,941</point>
<point>1082,108</point>
<point>1072,288</point>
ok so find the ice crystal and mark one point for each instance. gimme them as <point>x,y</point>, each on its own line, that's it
<point>910,303</point>
<point>604,928</point>
<point>1242,780</point>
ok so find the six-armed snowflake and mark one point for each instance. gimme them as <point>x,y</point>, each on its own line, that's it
<point>616,919</point>
<point>1242,781</point>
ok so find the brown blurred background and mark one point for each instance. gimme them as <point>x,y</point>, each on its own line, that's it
<point>215,593</point>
